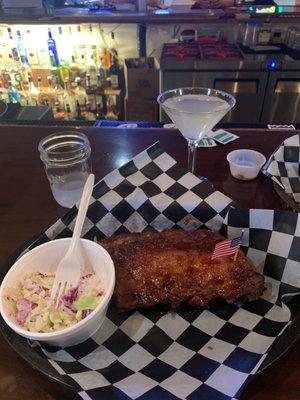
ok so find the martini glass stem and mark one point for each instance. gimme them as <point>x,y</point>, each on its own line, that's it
<point>192,153</point>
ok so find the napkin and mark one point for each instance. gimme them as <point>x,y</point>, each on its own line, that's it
<point>283,167</point>
<point>190,353</point>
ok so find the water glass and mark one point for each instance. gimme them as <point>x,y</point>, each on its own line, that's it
<point>66,158</point>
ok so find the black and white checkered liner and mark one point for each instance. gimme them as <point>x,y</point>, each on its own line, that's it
<point>191,353</point>
<point>283,167</point>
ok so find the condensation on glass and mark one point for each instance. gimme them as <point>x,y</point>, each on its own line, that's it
<point>67,162</point>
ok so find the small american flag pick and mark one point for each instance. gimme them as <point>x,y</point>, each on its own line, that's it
<point>227,247</point>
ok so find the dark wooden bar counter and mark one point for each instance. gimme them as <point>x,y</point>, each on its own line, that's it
<point>27,207</point>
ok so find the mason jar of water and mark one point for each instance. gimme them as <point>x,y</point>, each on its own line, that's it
<point>66,158</point>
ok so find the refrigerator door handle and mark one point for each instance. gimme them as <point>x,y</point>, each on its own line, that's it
<point>237,86</point>
<point>287,86</point>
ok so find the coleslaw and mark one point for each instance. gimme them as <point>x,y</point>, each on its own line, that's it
<point>32,308</point>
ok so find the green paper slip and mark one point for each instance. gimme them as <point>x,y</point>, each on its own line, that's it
<point>206,142</point>
<point>224,137</point>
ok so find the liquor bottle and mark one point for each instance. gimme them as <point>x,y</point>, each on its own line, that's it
<point>50,84</point>
<point>64,43</point>
<point>58,91</point>
<point>12,72</point>
<point>43,55</point>
<point>18,80</point>
<point>39,83</point>
<point>3,92</point>
<point>44,95</point>
<point>50,92</point>
<point>101,76</point>
<point>58,113</point>
<point>80,41</point>
<point>5,50</point>
<point>54,60</point>
<point>72,39</point>
<point>69,115</point>
<point>14,50</point>
<point>114,70</point>
<point>73,70</point>
<point>90,93</point>
<point>6,62</point>
<point>106,59</point>
<point>88,114</point>
<point>92,71</point>
<point>24,74</point>
<point>33,57</point>
<point>82,67</point>
<point>78,111</point>
<point>14,96</point>
<point>24,99</point>
<point>70,31</point>
<point>22,50</point>
<point>33,93</point>
<point>99,111</point>
<point>5,76</point>
<point>2,62</point>
<point>99,89</point>
<point>80,94</point>
<point>69,99</point>
<point>63,70</point>
<point>111,114</point>
<point>93,38</point>
<point>64,51</point>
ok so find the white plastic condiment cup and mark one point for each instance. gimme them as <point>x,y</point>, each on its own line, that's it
<point>45,258</point>
<point>245,164</point>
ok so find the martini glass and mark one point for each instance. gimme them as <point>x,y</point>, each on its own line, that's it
<point>195,111</point>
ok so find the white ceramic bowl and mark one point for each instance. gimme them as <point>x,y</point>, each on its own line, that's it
<point>245,164</point>
<point>45,258</point>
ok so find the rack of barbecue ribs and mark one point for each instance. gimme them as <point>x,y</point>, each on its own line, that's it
<point>175,266</point>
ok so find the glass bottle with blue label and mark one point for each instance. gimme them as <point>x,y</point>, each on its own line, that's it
<point>14,95</point>
<point>54,60</point>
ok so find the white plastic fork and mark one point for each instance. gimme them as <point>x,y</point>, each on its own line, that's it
<point>70,267</point>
